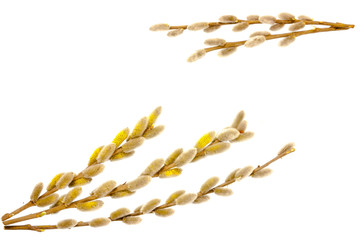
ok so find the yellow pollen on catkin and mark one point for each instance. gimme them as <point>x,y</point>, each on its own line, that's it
<point>93,157</point>
<point>80,182</point>
<point>139,128</point>
<point>205,140</point>
<point>121,136</point>
<point>53,182</point>
<point>121,155</point>
<point>174,172</point>
<point>153,116</point>
<point>89,206</point>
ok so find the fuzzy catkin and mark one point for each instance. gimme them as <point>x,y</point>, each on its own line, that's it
<point>232,174</point>
<point>211,28</point>
<point>131,220</point>
<point>276,26</point>
<point>150,133</point>
<point>240,26</point>
<point>225,52</point>
<point>205,140</point>
<point>252,17</point>
<point>239,117</point>
<point>93,170</point>
<point>121,155</point>
<point>198,26</point>
<point>197,55</point>
<point>53,182</point>
<point>153,167</point>
<point>139,182</point>
<point>215,41</point>
<point>289,147</point>
<point>297,26</point>
<point>65,180</point>
<point>201,199</point>
<point>80,182</point>
<point>165,212</point>
<point>228,19</point>
<point>254,41</point>
<point>99,222</point>
<point>119,213</point>
<point>120,194</point>
<point>66,224</point>
<point>243,137</point>
<point>185,157</point>
<point>150,205</point>
<point>262,173</point>
<point>139,128</point>
<point>132,144</point>
<point>175,32</point>
<point>153,116</point>
<point>286,16</point>
<point>174,196</point>
<point>159,27</point>
<point>186,198</point>
<point>260,33</point>
<point>71,195</point>
<point>228,134</point>
<point>89,206</point>
<point>106,153</point>
<point>36,192</point>
<point>243,172</point>
<point>267,19</point>
<point>121,136</point>
<point>104,189</point>
<point>222,191</point>
<point>209,184</point>
<point>217,148</point>
<point>173,156</point>
<point>48,200</point>
<point>242,126</point>
<point>304,18</point>
<point>174,172</point>
<point>286,41</point>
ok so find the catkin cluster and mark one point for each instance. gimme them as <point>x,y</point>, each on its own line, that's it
<point>256,38</point>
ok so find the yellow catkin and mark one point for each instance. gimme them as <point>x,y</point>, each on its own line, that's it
<point>222,191</point>
<point>209,184</point>
<point>244,137</point>
<point>93,157</point>
<point>153,116</point>
<point>205,140</point>
<point>139,182</point>
<point>89,206</point>
<point>93,170</point>
<point>186,198</point>
<point>121,155</point>
<point>53,182</point>
<point>66,223</point>
<point>165,212</point>
<point>231,176</point>
<point>153,132</point>
<point>48,200</point>
<point>174,196</point>
<point>153,167</point>
<point>228,134</point>
<point>262,173</point>
<point>119,213</point>
<point>132,220</point>
<point>290,147</point>
<point>201,199</point>
<point>71,195</point>
<point>121,194</point>
<point>174,172</point>
<point>104,189</point>
<point>36,192</point>
<point>217,148</point>
<point>239,117</point>
<point>185,157</point>
<point>132,144</point>
<point>65,180</point>
<point>121,136</point>
<point>80,182</point>
<point>106,153</point>
<point>243,172</point>
<point>99,222</point>
<point>150,206</point>
<point>139,128</point>
<point>173,156</point>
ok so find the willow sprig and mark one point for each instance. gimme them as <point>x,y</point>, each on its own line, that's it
<point>255,39</point>
<point>209,144</point>
<point>179,197</point>
<point>123,146</point>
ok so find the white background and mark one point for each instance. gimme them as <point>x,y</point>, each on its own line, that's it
<point>74,73</point>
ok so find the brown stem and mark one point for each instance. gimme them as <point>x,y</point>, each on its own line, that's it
<point>165,205</point>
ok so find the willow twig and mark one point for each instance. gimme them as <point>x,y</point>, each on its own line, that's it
<point>181,199</point>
